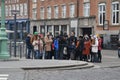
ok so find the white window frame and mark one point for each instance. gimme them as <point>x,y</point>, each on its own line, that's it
<point>6,10</point>
<point>34,1</point>
<point>49,28</point>
<point>49,12</point>
<point>10,8</point>
<point>34,13</point>
<point>86,11</point>
<point>56,11</point>
<point>18,8</point>
<point>72,10</point>
<point>115,11</point>
<point>21,9</point>
<point>25,9</point>
<point>42,12</point>
<point>102,12</point>
<point>63,11</point>
<point>13,6</point>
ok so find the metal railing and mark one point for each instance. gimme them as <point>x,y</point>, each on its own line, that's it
<point>21,49</point>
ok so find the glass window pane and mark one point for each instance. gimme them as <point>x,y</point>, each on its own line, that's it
<point>117,17</point>
<point>113,17</point>
<point>117,6</point>
<point>100,18</point>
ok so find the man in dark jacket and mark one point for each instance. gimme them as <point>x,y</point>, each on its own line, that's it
<point>79,48</point>
<point>61,45</point>
<point>72,45</point>
<point>29,46</point>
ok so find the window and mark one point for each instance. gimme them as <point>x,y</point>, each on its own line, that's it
<point>13,7</point>
<point>17,1</point>
<point>48,12</point>
<point>10,10</point>
<point>115,13</point>
<point>63,11</point>
<point>102,12</point>
<point>49,28</point>
<point>25,9</point>
<point>56,30</point>
<point>34,13</point>
<point>21,9</point>
<point>87,9</point>
<point>56,12</point>
<point>6,10</point>
<point>6,1</point>
<point>72,10</point>
<point>42,12</point>
<point>34,1</point>
<point>17,7</point>
<point>64,28</point>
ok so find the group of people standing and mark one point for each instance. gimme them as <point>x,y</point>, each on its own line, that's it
<point>63,46</point>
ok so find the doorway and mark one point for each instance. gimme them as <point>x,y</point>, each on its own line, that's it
<point>34,29</point>
<point>87,31</point>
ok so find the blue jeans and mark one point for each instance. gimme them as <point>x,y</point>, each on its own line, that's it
<point>29,53</point>
<point>37,54</point>
<point>56,54</point>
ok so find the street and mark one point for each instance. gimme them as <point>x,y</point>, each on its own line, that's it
<point>109,69</point>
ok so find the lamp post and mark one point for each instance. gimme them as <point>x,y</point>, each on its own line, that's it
<point>15,12</point>
<point>3,35</point>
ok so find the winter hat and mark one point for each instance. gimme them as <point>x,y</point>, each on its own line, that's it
<point>35,33</point>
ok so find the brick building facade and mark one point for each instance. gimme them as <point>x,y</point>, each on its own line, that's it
<point>81,16</point>
<point>22,17</point>
<point>62,15</point>
<point>107,14</point>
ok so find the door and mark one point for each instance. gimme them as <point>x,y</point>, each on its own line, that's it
<point>87,31</point>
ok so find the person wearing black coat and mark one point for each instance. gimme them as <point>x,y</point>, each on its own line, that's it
<point>29,46</point>
<point>79,48</point>
<point>61,44</point>
<point>119,48</point>
<point>72,45</point>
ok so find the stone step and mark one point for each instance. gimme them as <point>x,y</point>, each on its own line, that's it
<point>89,65</point>
<point>65,67</point>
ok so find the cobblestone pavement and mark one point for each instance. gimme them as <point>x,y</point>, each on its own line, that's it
<point>109,69</point>
<point>81,74</point>
<point>109,59</point>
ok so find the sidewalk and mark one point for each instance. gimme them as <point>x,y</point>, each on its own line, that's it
<point>28,64</point>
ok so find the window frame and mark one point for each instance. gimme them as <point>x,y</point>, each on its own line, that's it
<point>42,12</point>
<point>115,11</point>
<point>56,11</point>
<point>86,9</point>
<point>49,12</point>
<point>101,13</point>
<point>63,13</point>
<point>72,10</point>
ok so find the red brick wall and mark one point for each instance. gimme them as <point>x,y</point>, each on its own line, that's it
<point>53,3</point>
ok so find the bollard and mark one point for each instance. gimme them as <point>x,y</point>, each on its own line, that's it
<point>10,48</point>
<point>20,51</point>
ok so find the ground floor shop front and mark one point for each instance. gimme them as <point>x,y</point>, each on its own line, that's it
<point>64,25</point>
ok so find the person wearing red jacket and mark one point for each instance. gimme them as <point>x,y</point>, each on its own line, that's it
<point>99,48</point>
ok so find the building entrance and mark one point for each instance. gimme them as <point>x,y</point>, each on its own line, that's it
<point>87,31</point>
